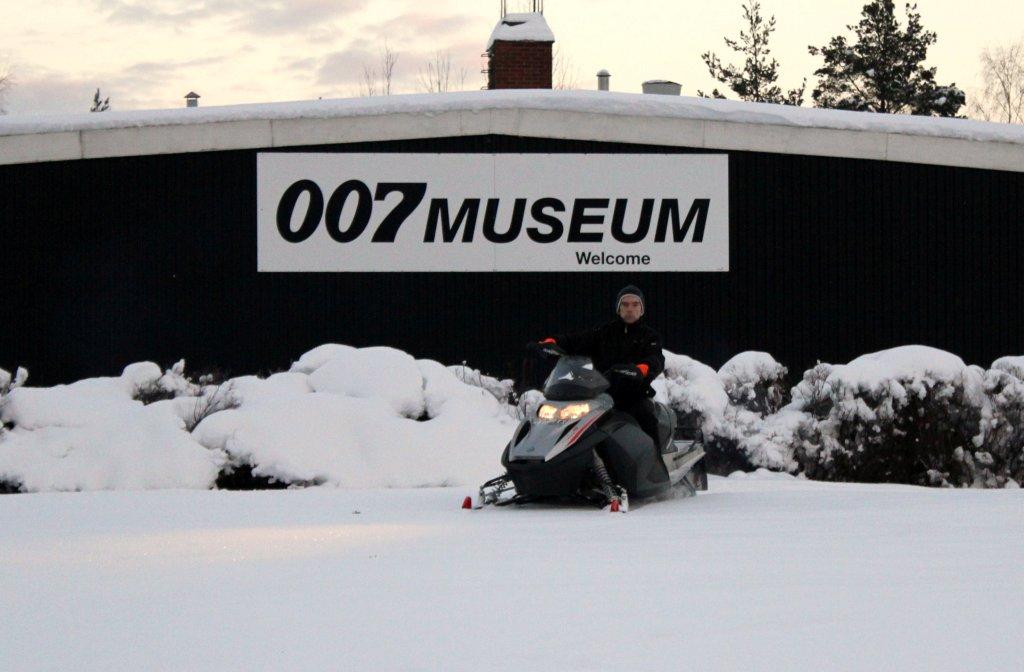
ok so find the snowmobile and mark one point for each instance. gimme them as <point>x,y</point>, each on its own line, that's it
<point>577,446</point>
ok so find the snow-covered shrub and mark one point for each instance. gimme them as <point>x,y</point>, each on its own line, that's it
<point>93,435</point>
<point>358,418</point>
<point>1002,460</point>
<point>754,431</point>
<point>213,399</point>
<point>151,384</point>
<point>693,389</point>
<point>698,396</point>
<point>907,415</point>
<point>8,383</point>
<point>735,409</point>
<point>529,402</point>
<point>755,381</point>
<point>502,390</point>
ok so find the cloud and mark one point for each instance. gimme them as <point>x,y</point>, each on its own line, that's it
<point>298,16</point>
<point>346,67</point>
<point>50,94</point>
<point>258,17</point>
<point>141,85</point>
<point>415,38</point>
<point>422,27</point>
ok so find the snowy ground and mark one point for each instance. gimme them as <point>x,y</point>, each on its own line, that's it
<point>765,572</point>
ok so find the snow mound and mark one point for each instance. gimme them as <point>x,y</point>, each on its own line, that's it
<point>903,370</point>
<point>362,418</point>
<point>92,435</point>
<point>749,368</point>
<point>320,355</point>
<point>761,474</point>
<point>373,372</point>
<point>1011,365</point>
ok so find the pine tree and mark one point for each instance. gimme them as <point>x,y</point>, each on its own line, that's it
<point>100,105</point>
<point>882,70</point>
<point>755,81</point>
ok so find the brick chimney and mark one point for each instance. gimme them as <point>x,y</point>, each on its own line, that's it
<point>520,53</point>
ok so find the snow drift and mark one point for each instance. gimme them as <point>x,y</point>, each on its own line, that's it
<point>95,435</point>
<point>377,417</point>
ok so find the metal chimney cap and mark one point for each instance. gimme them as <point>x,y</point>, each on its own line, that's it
<point>603,73</point>
<point>662,87</point>
<point>192,94</point>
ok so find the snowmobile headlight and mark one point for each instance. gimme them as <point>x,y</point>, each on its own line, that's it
<point>574,412</point>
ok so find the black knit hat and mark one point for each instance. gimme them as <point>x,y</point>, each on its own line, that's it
<point>634,290</point>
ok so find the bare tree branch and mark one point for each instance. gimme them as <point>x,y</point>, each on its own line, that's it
<point>388,60</point>
<point>6,82</point>
<point>565,74</point>
<point>436,76</point>
<point>377,80</point>
<point>1002,73</point>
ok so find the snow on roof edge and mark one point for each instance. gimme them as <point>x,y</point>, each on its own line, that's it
<point>625,117</point>
<point>588,102</point>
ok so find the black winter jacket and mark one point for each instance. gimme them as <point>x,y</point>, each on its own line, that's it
<point>619,343</point>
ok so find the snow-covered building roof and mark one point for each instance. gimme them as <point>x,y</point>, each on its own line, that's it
<point>528,27</point>
<point>667,121</point>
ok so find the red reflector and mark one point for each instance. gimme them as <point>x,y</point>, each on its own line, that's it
<point>467,503</point>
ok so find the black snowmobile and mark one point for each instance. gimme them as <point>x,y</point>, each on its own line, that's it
<point>579,447</point>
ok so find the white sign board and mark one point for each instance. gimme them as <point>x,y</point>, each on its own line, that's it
<point>492,212</point>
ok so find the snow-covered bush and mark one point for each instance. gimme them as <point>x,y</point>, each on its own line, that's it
<point>734,408</point>
<point>502,390</point>
<point>755,432</point>
<point>1002,460</point>
<point>94,435</point>
<point>359,418</point>
<point>8,383</point>
<point>907,415</point>
<point>755,381</point>
<point>694,390</point>
<point>697,394</point>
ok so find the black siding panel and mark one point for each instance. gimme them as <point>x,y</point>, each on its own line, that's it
<point>110,261</point>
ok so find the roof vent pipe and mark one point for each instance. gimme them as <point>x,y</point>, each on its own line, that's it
<point>603,77</point>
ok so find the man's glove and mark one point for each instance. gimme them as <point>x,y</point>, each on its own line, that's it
<point>625,377</point>
<point>546,349</point>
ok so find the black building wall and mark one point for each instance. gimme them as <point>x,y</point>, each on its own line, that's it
<point>111,261</point>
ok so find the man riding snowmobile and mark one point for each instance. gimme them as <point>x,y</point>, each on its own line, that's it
<point>599,437</point>
<point>626,349</point>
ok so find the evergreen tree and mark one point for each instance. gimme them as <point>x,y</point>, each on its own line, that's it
<point>755,81</point>
<point>882,70</point>
<point>100,105</point>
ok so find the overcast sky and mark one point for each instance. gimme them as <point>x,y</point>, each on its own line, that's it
<point>150,53</point>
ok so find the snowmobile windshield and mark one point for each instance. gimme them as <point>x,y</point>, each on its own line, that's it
<point>574,378</point>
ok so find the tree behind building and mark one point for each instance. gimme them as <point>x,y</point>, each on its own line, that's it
<point>755,81</point>
<point>882,69</point>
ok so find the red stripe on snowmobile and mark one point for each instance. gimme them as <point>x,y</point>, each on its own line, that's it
<point>581,429</point>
